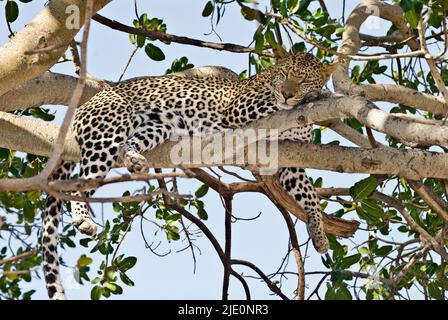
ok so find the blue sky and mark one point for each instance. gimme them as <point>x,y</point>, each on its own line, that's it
<point>262,241</point>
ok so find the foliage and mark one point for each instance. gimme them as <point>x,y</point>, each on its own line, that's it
<point>379,255</point>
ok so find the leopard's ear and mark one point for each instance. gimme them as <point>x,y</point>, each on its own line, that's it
<point>328,69</point>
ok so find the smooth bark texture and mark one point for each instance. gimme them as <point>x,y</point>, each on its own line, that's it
<point>38,138</point>
<point>47,89</point>
<point>351,44</point>
<point>47,30</point>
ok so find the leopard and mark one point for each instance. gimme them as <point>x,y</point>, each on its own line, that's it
<point>121,122</point>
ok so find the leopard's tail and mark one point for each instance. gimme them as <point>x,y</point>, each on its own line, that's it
<point>51,219</point>
<point>315,228</point>
<point>296,183</point>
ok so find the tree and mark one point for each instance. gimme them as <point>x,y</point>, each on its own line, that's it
<point>400,209</point>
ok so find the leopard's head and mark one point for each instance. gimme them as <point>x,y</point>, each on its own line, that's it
<point>298,75</point>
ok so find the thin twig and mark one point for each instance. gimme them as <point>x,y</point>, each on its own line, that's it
<point>19,257</point>
<point>227,246</point>
<point>173,38</point>
<point>269,283</point>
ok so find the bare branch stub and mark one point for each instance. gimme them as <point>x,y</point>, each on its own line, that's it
<point>332,225</point>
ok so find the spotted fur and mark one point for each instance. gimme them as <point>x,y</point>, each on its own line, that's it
<point>134,116</point>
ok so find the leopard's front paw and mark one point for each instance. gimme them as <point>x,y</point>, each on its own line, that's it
<point>135,162</point>
<point>85,226</point>
<point>58,296</point>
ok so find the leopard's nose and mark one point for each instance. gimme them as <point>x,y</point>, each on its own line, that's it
<point>287,95</point>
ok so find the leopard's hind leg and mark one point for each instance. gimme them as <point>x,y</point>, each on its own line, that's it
<point>296,183</point>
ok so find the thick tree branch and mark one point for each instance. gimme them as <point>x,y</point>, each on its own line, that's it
<point>74,100</point>
<point>351,44</point>
<point>49,88</point>
<point>400,126</point>
<point>37,138</point>
<point>51,27</point>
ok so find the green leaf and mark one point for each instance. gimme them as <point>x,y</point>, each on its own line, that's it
<point>202,214</point>
<point>84,261</point>
<point>173,217</point>
<point>337,276</point>
<point>432,269</point>
<point>318,182</point>
<point>85,242</point>
<point>154,52</point>
<point>259,42</point>
<point>69,242</point>
<point>352,122</point>
<point>96,293</point>
<point>40,113</point>
<point>27,295</point>
<point>208,9</point>
<point>132,38</point>
<point>179,65</point>
<point>434,291</point>
<point>343,293</point>
<point>270,38</point>
<point>127,263</point>
<point>202,191</point>
<point>317,136</point>
<point>143,19</point>
<point>28,213</point>
<point>111,274</point>
<point>363,251</point>
<point>338,292</point>
<point>141,41</point>
<point>284,8</point>
<point>298,47</point>
<point>126,280</point>
<point>172,232</point>
<point>362,189</point>
<point>349,261</point>
<point>116,206</point>
<point>372,208</point>
<point>11,11</point>
<point>412,17</point>
<point>330,294</point>
<point>339,31</point>
<point>383,251</point>
<point>106,292</point>
<point>326,262</point>
<point>113,287</point>
<point>293,5</point>
<point>303,6</point>
<point>407,5</point>
<point>253,14</point>
<point>275,3</point>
